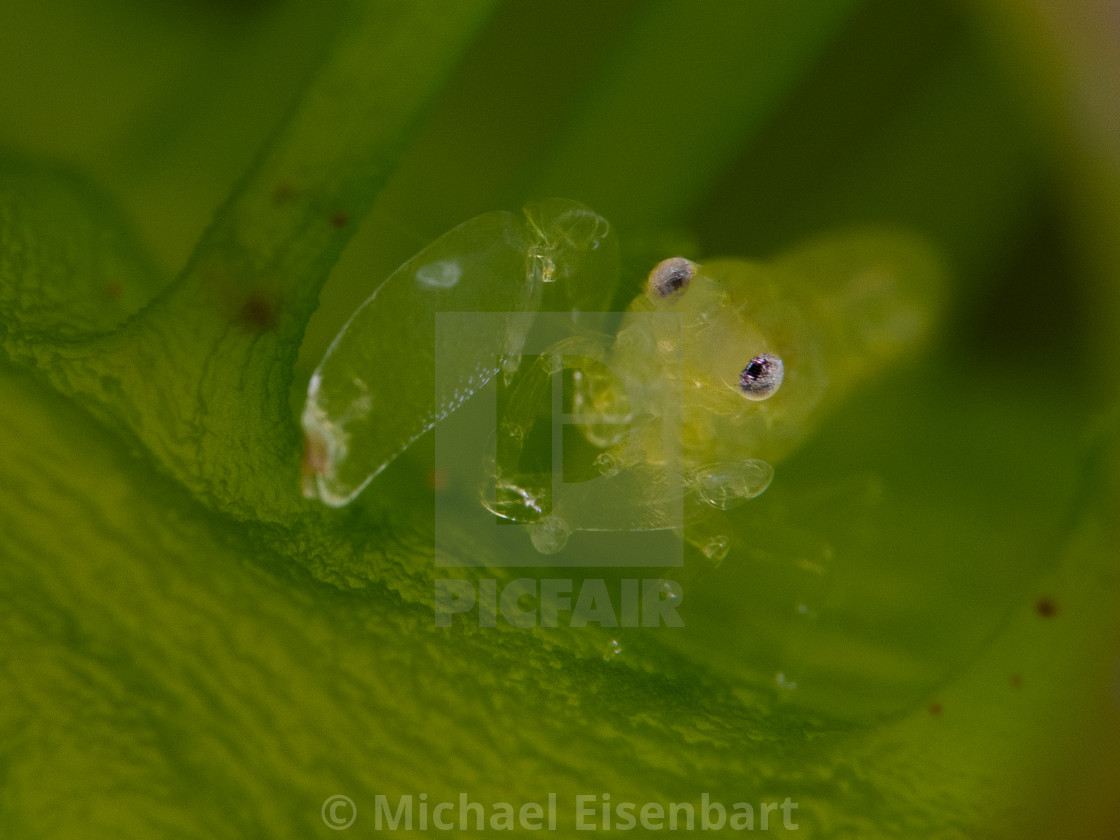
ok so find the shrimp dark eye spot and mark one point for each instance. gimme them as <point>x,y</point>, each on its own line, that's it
<point>671,276</point>
<point>761,377</point>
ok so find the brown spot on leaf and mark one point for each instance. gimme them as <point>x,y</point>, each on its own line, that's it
<point>1016,680</point>
<point>114,290</point>
<point>935,709</point>
<point>339,220</point>
<point>258,313</point>
<point>1046,607</point>
<point>284,193</point>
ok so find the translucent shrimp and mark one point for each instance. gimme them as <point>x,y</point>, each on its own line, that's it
<point>714,373</point>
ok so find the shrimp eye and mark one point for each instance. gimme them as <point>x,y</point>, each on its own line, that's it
<point>761,377</point>
<point>671,276</point>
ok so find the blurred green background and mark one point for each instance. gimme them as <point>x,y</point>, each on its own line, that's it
<point>936,569</point>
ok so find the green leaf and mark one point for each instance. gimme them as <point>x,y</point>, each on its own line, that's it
<point>69,270</point>
<point>253,281</point>
<point>189,649</point>
<point>645,143</point>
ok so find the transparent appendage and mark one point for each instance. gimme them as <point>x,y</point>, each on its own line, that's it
<point>375,391</point>
<point>728,485</point>
<point>575,255</point>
